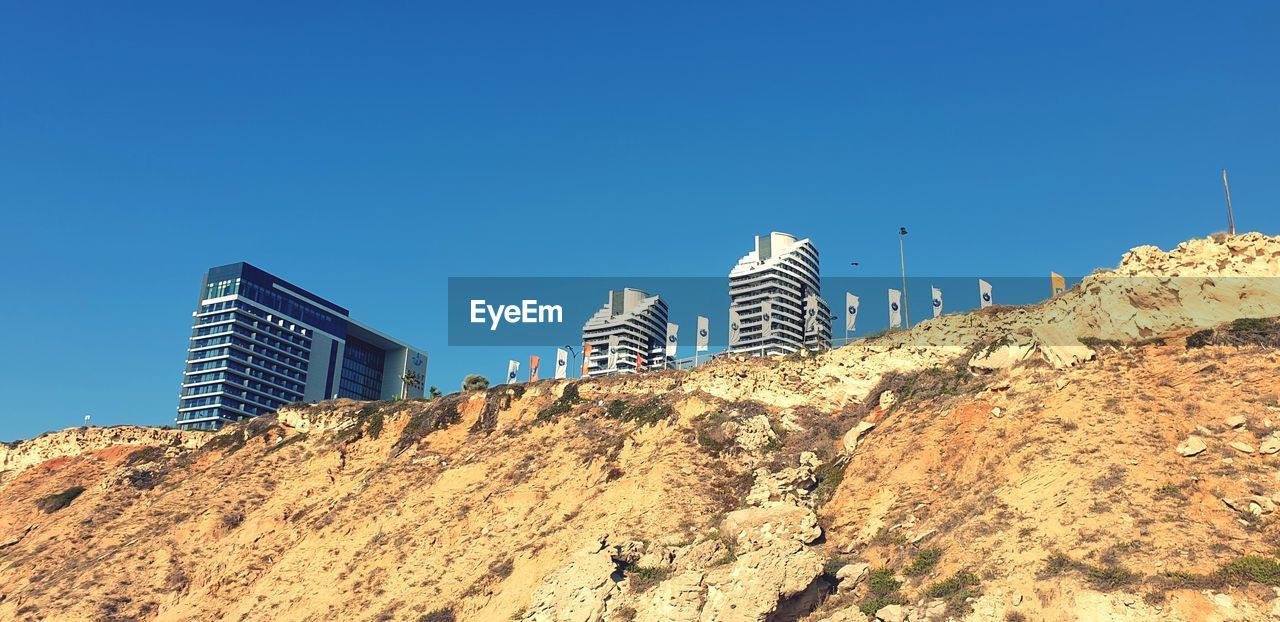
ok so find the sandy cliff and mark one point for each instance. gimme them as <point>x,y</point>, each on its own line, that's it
<point>1098,456</point>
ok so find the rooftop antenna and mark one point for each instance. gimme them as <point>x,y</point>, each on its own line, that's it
<point>1231,219</point>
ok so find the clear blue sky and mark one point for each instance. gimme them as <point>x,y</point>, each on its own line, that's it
<point>369,153</point>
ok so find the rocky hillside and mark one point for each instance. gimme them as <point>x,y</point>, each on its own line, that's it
<point>1112,454</point>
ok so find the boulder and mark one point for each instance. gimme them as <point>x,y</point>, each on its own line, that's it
<point>1270,445</point>
<point>579,591</point>
<point>758,580</point>
<point>850,575</point>
<point>1236,421</point>
<point>892,613</point>
<point>854,435</point>
<point>1192,446</point>
<point>1241,447</point>
<point>678,599</point>
<point>758,527</point>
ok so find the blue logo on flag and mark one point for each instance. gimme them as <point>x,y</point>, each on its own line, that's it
<point>560,363</point>
<point>672,338</point>
<point>893,306</point>
<point>702,333</point>
<point>853,310</point>
<point>937,302</point>
<point>986,297</point>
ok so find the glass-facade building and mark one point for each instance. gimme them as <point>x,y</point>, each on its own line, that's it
<point>259,342</point>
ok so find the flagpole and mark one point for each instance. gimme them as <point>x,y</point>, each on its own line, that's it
<point>1231,219</point>
<point>902,254</point>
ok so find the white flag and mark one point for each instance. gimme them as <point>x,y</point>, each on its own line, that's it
<point>704,334</point>
<point>895,309</point>
<point>937,301</point>
<point>562,363</point>
<point>512,368</point>
<point>766,320</point>
<point>735,326</point>
<point>851,310</point>
<point>673,331</point>
<point>613,353</point>
<point>810,316</point>
<point>984,288</point>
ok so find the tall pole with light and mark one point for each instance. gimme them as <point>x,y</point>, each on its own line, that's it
<point>573,356</point>
<point>902,254</point>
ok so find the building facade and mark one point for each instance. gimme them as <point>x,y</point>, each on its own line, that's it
<point>776,304</point>
<point>630,330</point>
<point>259,342</point>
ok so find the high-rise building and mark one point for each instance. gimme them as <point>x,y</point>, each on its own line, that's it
<point>776,304</point>
<point>259,342</point>
<point>629,329</point>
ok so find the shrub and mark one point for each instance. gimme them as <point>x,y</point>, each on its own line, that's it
<point>881,582</point>
<point>925,560</point>
<point>1264,570</point>
<point>952,585</point>
<point>1105,577</point>
<point>829,476</point>
<point>644,578</point>
<point>439,615</point>
<point>475,382</point>
<point>55,502</point>
<point>644,413</point>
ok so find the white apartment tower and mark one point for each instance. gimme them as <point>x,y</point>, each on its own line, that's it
<point>629,330</point>
<point>776,304</point>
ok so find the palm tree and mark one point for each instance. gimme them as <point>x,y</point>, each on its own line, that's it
<point>413,379</point>
<point>433,393</point>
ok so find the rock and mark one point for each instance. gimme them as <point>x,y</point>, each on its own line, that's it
<point>758,580</point>
<point>678,599</point>
<point>700,555</point>
<point>754,433</point>
<point>1236,421</point>
<point>887,400</point>
<point>995,411</point>
<point>1001,357</point>
<point>1192,446</point>
<point>892,613</point>
<point>1270,445</point>
<point>580,590</point>
<point>794,485</point>
<point>854,435</point>
<point>851,575</point>
<point>756,528</point>
<point>1062,382</point>
<point>1060,347</point>
<point>1241,447</point>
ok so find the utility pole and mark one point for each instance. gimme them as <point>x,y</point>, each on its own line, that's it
<point>1231,219</point>
<point>902,254</point>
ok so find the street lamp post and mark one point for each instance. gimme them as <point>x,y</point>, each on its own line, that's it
<point>902,254</point>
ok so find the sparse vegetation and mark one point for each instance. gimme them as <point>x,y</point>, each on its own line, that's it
<point>55,502</point>
<point>924,562</point>
<point>439,615</point>
<point>1104,578</point>
<point>563,404</point>
<point>956,590</point>
<point>644,578</point>
<point>644,413</point>
<point>884,591</point>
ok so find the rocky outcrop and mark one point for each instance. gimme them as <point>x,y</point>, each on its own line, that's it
<point>17,457</point>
